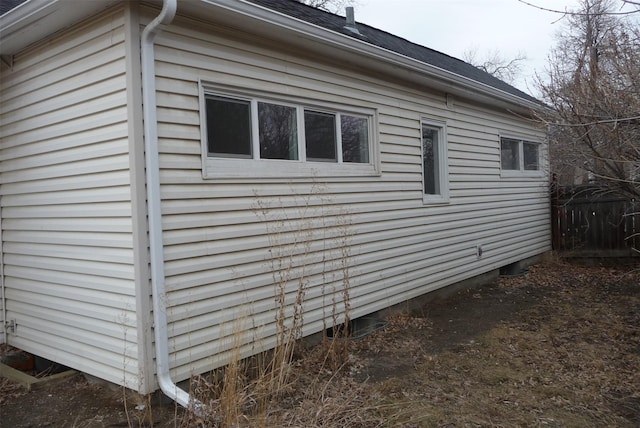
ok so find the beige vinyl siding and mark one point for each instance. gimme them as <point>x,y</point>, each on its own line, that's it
<point>66,201</point>
<point>224,237</point>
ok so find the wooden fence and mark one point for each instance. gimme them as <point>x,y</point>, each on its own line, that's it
<point>586,223</point>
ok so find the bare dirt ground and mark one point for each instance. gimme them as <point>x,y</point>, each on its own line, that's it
<point>557,347</point>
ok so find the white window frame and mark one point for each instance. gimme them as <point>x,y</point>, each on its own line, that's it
<point>229,167</point>
<point>521,172</point>
<point>443,162</point>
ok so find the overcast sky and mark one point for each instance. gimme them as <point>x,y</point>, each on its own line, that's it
<point>456,26</point>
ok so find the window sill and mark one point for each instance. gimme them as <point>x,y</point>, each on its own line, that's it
<point>226,168</point>
<point>520,173</point>
<point>435,199</point>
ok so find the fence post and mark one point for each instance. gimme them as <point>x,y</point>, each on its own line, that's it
<point>555,217</point>
<point>589,223</point>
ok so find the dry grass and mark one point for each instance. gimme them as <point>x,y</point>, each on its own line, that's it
<point>265,390</point>
<point>559,347</point>
<point>9,389</point>
<point>572,358</point>
<point>316,395</point>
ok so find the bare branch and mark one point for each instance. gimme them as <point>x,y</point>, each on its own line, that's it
<point>592,87</point>
<point>495,64</point>
<point>582,13</point>
<point>335,6</point>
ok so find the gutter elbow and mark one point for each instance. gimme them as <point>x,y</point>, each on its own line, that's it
<point>168,12</point>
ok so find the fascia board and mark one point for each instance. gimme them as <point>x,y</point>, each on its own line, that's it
<point>34,20</point>
<point>451,81</point>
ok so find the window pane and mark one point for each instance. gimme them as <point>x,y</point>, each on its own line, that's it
<point>430,159</point>
<point>228,127</point>
<point>355,139</point>
<point>530,154</point>
<point>320,135</point>
<point>509,153</point>
<point>278,131</point>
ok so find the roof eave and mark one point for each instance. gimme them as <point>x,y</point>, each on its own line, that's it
<point>34,20</point>
<point>451,81</point>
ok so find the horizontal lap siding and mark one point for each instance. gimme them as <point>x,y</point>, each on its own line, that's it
<point>66,202</point>
<point>223,238</point>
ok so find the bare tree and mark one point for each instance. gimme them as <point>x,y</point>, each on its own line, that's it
<point>495,64</point>
<point>592,88</point>
<point>335,6</point>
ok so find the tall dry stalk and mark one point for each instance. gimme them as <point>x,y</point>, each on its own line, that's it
<point>245,392</point>
<point>286,248</point>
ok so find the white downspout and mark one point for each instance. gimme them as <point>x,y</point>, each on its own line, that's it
<point>3,295</point>
<point>167,385</point>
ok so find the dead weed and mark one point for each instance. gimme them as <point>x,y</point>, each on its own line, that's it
<point>557,347</point>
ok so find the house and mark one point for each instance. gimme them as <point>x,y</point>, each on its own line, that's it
<point>289,152</point>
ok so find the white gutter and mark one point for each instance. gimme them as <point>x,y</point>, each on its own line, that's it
<point>167,385</point>
<point>34,20</point>
<point>346,43</point>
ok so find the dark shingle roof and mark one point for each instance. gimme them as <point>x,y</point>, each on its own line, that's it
<point>390,42</point>
<point>7,5</point>
<point>369,35</point>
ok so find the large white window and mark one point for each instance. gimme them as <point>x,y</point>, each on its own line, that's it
<point>435,183</point>
<point>519,156</point>
<point>253,136</point>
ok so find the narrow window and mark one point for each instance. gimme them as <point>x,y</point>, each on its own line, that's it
<point>434,162</point>
<point>530,156</point>
<point>510,154</point>
<point>430,164</point>
<point>320,135</point>
<point>228,127</point>
<point>278,131</point>
<point>355,139</point>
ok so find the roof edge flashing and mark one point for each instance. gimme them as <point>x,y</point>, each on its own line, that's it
<point>32,20</point>
<point>361,46</point>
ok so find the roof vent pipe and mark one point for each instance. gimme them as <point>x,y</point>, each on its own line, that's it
<point>351,21</point>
